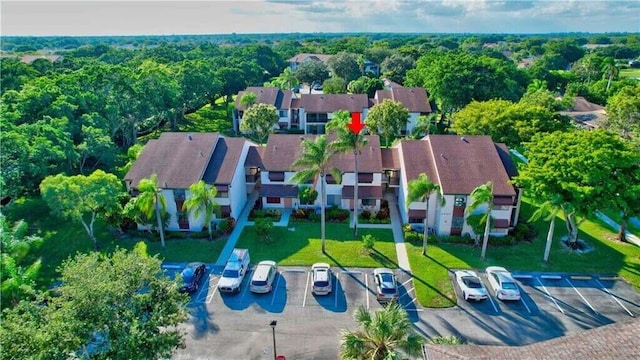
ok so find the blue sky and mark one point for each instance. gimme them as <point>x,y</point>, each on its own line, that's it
<point>267,16</point>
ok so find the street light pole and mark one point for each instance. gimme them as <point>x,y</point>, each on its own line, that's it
<point>273,328</point>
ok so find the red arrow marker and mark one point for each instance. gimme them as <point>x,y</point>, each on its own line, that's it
<point>355,125</point>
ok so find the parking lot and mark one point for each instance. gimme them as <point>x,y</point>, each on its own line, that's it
<point>237,325</point>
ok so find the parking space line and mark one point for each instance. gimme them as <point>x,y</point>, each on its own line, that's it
<point>404,283</point>
<point>549,295</point>
<point>210,297</point>
<point>489,296</point>
<point>295,270</point>
<point>525,303</point>
<point>306,289</point>
<point>244,291</point>
<point>583,298</point>
<point>366,289</point>
<point>614,298</point>
<point>275,289</point>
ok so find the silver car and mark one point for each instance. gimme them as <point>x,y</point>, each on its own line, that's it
<point>263,276</point>
<point>321,279</point>
<point>386,285</point>
<point>503,283</point>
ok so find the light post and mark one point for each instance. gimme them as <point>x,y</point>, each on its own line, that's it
<point>273,328</point>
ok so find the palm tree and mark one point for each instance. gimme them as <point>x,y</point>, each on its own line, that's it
<point>551,210</point>
<point>314,161</point>
<point>150,200</point>
<point>537,85</point>
<point>347,141</point>
<point>201,201</point>
<point>248,100</point>
<point>387,334</point>
<point>481,195</point>
<point>421,189</point>
<point>609,69</point>
<point>286,80</point>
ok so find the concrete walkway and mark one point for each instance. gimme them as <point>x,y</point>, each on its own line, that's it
<point>241,221</point>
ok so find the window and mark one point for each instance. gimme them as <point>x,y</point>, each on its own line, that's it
<point>273,200</point>
<point>317,118</point>
<point>457,222</point>
<point>223,194</point>
<point>276,175</point>
<point>183,220</point>
<point>368,202</point>
<point>460,201</point>
<point>282,113</point>
<point>225,211</point>
<point>178,194</point>
<point>365,178</point>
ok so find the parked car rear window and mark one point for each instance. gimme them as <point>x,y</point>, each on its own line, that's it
<point>509,286</point>
<point>321,283</point>
<point>259,282</point>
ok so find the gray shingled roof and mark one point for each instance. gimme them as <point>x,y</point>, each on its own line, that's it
<point>179,159</point>
<point>415,99</point>
<point>304,56</point>
<point>390,158</point>
<point>324,103</point>
<point>224,161</point>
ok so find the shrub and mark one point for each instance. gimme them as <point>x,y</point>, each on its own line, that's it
<point>226,225</point>
<point>365,215</point>
<point>383,214</point>
<point>385,204</point>
<point>368,241</point>
<point>307,195</point>
<point>263,228</point>
<point>313,217</point>
<point>337,215</point>
<point>524,232</point>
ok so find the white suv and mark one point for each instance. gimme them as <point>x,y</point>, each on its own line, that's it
<point>263,276</point>
<point>234,271</point>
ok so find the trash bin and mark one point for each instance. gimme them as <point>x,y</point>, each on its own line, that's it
<point>281,357</point>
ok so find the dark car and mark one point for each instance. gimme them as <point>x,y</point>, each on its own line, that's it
<point>191,276</point>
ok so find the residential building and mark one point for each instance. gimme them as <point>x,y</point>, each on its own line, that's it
<point>182,159</point>
<point>280,99</point>
<point>297,60</point>
<point>415,99</point>
<point>309,113</point>
<point>458,165</point>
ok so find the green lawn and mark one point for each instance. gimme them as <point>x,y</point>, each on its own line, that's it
<point>630,73</point>
<point>63,239</point>
<point>303,246</point>
<point>210,119</point>
<point>434,289</point>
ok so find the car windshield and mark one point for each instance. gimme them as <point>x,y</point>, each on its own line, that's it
<point>471,282</point>
<point>230,273</point>
<point>187,275</point>
<point>509,286</point>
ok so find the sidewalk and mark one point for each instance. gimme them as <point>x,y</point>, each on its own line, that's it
<point>237,230</point>
<point>629,236</point>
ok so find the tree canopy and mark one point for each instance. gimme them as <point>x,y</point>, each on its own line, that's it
<point>259,121</point>
<point>116,306</point>
<point>387,119</point>
<point>345,65</point>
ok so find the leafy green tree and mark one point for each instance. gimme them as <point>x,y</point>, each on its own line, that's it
<point>126,308</point>
<point>387,119</point>
<point>395,67</point>
<point>609,70</point>
<point>421,189</point>
<point>386,334</point>
<point>259,120</point>
<point>263,228</point>
<point>312,71</point>
<point>248,99</point>
<point>314,161</point>
<point>201,202</point>
<point>481,196</point>
<point>233,80</point>
<point>348,141</point>
<point>578,172</point>
<point>334,85</point>
<point>17,280</point>
<point>365,85</point>
<point>286,80</point>
<point>505,121</point>
<point>151,202</point>
<point>307,195</point>
<point>345,65</point>
<point>83,198</point>
<point>623,112</point>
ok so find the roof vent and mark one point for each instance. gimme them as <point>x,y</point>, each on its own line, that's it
<point>275,148</point>
<point>301,137</point>
<point>442,156</point>
<point>463,139</point>
<point>201,154</point>
<point>189,137</point>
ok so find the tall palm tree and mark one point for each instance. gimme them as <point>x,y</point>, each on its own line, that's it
<point>550,209</point>
<point>348,141</point>
<point>202,201</point>
<point>387,334</point>
<point>481,195</point>
<point>151,200</point>
<point>286,80</point>
<point>421,189</point>
<point>537,85</point>
<point>314,162</point>
<point>609,69</point>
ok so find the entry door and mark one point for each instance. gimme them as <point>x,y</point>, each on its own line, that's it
<point>457,218</point>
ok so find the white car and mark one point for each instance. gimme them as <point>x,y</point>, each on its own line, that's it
<point>321,279</point>
<point>263,276</point>
<point>471,286</point>
<point>386,285</point>
<point>503,283</point>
